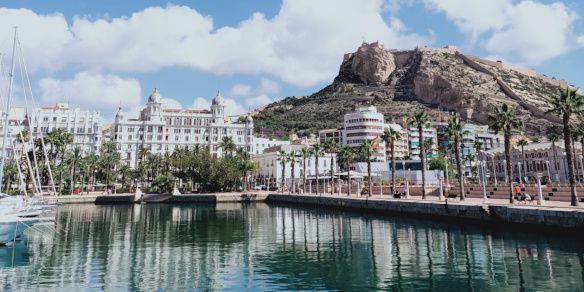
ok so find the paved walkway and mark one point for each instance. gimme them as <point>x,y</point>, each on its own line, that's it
<point>468,201</point>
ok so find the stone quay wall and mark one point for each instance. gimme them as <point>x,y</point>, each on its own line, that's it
<point>527,217</point>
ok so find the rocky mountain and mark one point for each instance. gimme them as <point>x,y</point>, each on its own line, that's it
<point>400,82</point>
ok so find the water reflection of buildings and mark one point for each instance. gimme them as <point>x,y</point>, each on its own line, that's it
<point>258,246</point>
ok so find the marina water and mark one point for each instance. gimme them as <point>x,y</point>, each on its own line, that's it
<point>269,247</point>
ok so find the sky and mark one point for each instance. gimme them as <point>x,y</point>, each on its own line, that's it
<point>98,55</point>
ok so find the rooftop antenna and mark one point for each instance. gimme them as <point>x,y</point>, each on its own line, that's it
<point>8,105</point>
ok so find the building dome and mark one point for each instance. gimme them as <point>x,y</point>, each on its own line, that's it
<point>119,114</point>
<point>218,100</point>
<point>155,96</point>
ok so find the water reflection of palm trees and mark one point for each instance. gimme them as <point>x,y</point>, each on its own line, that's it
<point>233,246</point>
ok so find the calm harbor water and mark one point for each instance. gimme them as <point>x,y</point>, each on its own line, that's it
<point>264,247</point>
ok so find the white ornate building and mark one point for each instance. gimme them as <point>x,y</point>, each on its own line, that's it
<point>84,125</point>
<point>162,130</point>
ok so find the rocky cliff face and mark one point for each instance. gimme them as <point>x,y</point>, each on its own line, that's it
<point>400,82</point>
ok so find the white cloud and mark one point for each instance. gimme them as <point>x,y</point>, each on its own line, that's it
<point>581,40</point>
<point>527,32</point>
<point>302,45</point>
<point>240,90</point>
<point>92,91</point>
<point>171,103</point>
<point>268,86</point>
<point>232,107</point>
<point>258,101</point>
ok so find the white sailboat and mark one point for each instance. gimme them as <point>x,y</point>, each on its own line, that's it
<point>18,213</point>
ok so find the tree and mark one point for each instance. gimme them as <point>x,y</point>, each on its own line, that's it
<point>73,160</point>
<point>535,140</point>
<point>305,153</point>
<point>390,137</point>
<point>505,120</point>
<point>164,184</point>
<point>421,121</point>
<point>522,143</point>
<point>455,131</point>
<point>331,147</point>
<point>292,158</point>
<point>109,158</point>
<point>317,151</point>
<point>228,145</point>
<point>554,138</point>
<point>368,149</point>
<point>10,173</point>
<point>565,105</point>
<point>347,154</point>
<point>283,158</point>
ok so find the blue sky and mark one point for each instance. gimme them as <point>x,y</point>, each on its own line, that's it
<point>98,54</point>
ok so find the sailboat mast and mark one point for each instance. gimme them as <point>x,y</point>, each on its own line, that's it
<point>8,106</point>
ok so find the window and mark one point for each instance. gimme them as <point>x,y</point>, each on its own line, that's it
<point>129,137</point>
<point>159,137</point>
<point>54,119</point>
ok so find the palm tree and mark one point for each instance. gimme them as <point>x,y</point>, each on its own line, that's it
<point>522,143</point>
<point>478,148</point>
<point>390,137</point>
<point>331,147</point>
<point>565,105</point>
<point>554,138</point>
<point>73,160</point>
<point>11,173</point>
<point>347,154</point>
<point>305,153</point>
<point>91,161</point>
<point>455,131</point>
<point>292,158</point>
<point>421,121</point>
<point>505,120</point>
<point>283,158</point>
<point>469,158</point>
<point>317,151</point>
<point>227,145</point>
<point>368,149</point>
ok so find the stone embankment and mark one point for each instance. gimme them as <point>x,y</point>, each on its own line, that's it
<point>501,215</point>
<point>556,216</point>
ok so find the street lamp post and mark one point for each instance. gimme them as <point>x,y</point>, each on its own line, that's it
<point>547,165</point>
<point>494,168</point>
<point>581,168</point>
<point>446,171</point>
<point>505,170</point>
<point>519,169</point>
<point>441,191</point>
<point>482,166</point>
<point>539,192</point>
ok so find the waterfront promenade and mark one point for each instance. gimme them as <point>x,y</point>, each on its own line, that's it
<point>552,216</point>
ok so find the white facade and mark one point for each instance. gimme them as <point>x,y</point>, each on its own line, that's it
<point>261,144</point>
<point>401,145</point>
<point>365,123</point>
<point>414,142</point>
<point>164,130</point>
<point>16,123</point>
<point>270,168</point>
<point>539,159</point>
<point>85,126</point>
